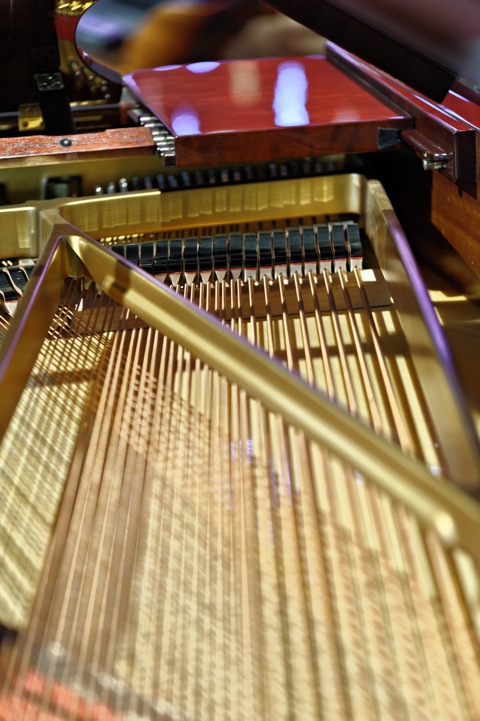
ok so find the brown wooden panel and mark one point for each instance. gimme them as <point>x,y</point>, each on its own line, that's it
<point>261,109</point>
<point>457,217</point>
<point>121,141</point>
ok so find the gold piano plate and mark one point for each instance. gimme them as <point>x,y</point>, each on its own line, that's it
<point>229,543</point>
<point>405,356</point>
<point>140,213</point>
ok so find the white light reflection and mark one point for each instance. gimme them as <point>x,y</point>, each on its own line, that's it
<point>185,121</point>
<point>204,67</point>
<point>358,476</point>
<point>163,68</point>
<point>291,94</point>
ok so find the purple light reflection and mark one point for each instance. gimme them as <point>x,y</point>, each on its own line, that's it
<point>185,121</point>
<point>204,67</point>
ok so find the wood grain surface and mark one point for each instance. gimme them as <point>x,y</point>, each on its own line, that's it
<point>457,215</point>
<point>109,143</point>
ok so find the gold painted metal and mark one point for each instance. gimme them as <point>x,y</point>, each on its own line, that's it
<point>276,511</point>
<point>202,336</point>
<point>24,180</point>
<point>70,254</point>
<point>150,211</point>
<point>74,7</point>
<point>117,218</point>
<point>30,119</point>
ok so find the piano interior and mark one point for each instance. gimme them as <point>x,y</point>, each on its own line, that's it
<point>239,434</point>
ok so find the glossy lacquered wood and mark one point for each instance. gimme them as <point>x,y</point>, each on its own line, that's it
<point>439,128</point>
<point>248,110</point>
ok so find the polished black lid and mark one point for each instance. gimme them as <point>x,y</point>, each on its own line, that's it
<point>427,44</point>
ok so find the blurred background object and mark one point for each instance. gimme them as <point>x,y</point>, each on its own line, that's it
<point>106,24</point>
<point>133,34</point>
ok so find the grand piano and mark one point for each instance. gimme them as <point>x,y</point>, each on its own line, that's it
<point>239,325</point>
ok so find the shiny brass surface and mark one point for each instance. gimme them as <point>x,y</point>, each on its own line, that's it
<point>151,211</point>
<point>30,119</point>
<point>74,7</point>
